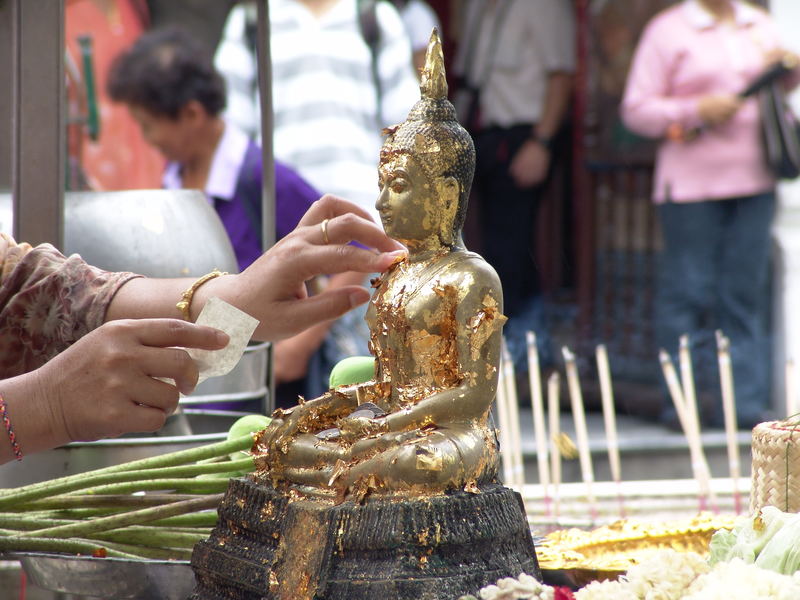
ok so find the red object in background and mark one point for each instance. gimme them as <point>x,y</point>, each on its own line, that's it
<point>99,553</point>
<point>563,593</point>
<point>120,159</point>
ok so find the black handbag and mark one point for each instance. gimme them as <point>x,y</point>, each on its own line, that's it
<point>780,132</point>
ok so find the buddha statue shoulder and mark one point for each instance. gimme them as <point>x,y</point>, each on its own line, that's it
<point>421,426</point>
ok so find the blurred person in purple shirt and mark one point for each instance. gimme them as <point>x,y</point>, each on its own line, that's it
<point>714,195</point>
<point>176,95</point>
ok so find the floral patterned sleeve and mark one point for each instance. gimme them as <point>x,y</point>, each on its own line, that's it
<point>47,302</point>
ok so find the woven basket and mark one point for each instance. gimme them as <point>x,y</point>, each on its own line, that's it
<point>776,466</point>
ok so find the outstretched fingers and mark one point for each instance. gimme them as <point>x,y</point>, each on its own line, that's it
<point>330,304</point>
<point>332,221</point>
<point>337,258</point>
<point>164,333</point>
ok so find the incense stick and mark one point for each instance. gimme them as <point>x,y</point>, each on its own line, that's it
<point>791,388</point>
<point>502,416</point>
<point>729,410</point>
<point>539,427</point>
<point>581,433</point>
<point>554,416</point>
<point>676,393</point>
<point>515,437</point>
<point>690,402</point>
<point>610,420</point>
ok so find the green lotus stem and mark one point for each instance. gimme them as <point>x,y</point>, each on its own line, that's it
<point>73,514</point>
<point>72,546</point>
<point>191,486</point>
<point>13,524</point>
<point>136,517</point>
<point>109,501</point>
<point>181,457</point>
<point>150,553</point>
<point>150,537</point>
<point>29,523</point>
<point>206,531</point>
<point>196,519</point>
<point>139,475</point>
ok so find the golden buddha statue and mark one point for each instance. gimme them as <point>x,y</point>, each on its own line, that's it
<point>422,425</point>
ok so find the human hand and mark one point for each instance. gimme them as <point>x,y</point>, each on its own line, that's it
<point>787,57</point>
<point>716,109</point>
<point>530,164</point>
<point>104,385</point>
<point>273,290</point>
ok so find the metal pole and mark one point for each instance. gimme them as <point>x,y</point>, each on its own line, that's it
<point>264,63</point>
<point>5,95</point>
<point>38,146</point>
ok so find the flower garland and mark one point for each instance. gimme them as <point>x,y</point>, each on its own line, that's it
<point>523,588</point>
<point>665,575</point>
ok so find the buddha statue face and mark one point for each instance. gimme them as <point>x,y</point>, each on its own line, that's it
<point>426,167</point>
<point>416,207</point>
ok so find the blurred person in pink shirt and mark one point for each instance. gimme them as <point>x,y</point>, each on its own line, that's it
<point>714,193</point>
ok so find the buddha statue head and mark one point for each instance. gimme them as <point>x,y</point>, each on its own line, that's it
<point>433,154</point>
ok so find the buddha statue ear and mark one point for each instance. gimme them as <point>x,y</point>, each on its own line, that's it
<point>449,191</point>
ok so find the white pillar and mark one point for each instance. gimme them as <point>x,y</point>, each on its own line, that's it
<point>786,233</point>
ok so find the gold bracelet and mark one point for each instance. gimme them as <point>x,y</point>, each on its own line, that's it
<point>186,298</point>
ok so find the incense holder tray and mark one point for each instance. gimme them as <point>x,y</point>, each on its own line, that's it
<point>608,552</point>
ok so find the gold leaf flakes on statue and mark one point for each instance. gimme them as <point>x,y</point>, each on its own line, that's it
<point>472,487</point>
<point>363,487</point>
<point>403,258</point>
<point>338,470</point>
<point>484,324</point>
<point>471,377</point>
<point>273,582</point>
<point>425,145</point>
<point>268,511</point>
<point>429,459</point>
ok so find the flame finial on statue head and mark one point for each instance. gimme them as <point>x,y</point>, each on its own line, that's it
<point>433,82</point>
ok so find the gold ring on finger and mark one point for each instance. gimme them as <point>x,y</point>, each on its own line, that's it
<point>324,227</point>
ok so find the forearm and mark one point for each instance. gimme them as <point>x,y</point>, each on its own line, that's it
<point>556,104</point>
<point>653,116</point>
<point>144,298</point>
<point>460,404</point>
<point>32,418</point>
<point>150,298</point>
<point>292,354</point>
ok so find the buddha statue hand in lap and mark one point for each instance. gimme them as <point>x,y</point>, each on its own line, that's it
<point>421,426</point>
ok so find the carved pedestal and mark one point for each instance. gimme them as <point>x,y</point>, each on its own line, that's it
<point>268,547</point>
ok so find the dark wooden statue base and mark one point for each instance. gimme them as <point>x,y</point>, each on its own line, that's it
<point>266,547</point>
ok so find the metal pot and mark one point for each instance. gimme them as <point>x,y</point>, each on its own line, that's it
<point>158,233</point>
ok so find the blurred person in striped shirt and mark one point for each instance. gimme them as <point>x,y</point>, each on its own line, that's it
<point>341,72</point>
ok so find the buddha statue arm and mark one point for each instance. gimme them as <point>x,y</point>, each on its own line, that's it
<point>312,416</point>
